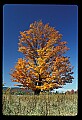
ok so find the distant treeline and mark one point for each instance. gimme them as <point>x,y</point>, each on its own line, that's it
<point>20,91</point>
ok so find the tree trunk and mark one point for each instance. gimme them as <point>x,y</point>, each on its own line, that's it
<point>37,92</point>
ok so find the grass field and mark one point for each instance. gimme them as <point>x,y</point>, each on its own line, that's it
<point>42,105</point>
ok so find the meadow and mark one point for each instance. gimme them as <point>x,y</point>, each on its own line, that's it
<point>40,105</point>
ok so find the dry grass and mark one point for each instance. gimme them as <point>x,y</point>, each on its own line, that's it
<point>42,105</point>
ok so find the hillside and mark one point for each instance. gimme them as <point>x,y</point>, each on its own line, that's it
<point>16,89</point>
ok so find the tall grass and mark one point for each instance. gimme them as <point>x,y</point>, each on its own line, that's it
<point>42,105</point>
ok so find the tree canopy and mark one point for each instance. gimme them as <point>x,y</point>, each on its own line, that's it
<point>44,66</point>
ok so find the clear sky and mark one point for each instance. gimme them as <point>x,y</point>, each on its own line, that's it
<point>18,17</point>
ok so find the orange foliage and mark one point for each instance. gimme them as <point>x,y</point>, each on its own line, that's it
<point>44,67</point>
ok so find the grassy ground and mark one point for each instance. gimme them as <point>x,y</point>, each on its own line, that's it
<point>42,105</point>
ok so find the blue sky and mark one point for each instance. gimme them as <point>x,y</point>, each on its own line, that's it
<point>18,17</point>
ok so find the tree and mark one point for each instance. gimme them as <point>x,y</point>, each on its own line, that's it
<point>44,66</point>
<point>3,84</point>
<point>67,92</point>
<point>72,91</point>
